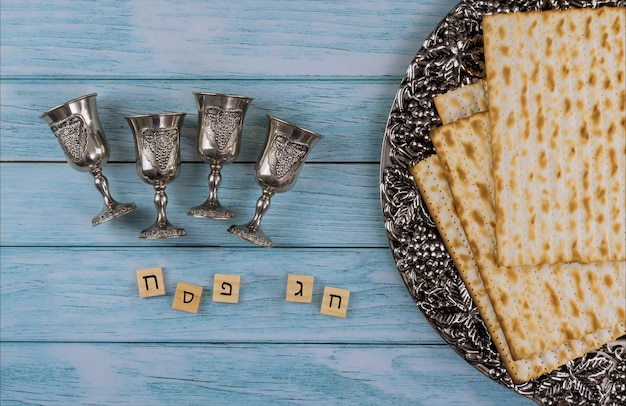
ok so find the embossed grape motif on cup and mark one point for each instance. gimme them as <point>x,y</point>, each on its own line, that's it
<point>76,126</point>
<point>284,154</point>
<point>222,125</point>
<point>159,147</point>
<point>72,135</point>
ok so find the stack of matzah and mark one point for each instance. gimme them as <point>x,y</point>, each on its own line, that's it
<point>527,186</point>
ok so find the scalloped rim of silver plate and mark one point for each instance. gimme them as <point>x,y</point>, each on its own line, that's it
<point>452,56</point>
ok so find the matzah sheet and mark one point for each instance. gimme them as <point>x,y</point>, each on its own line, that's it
<point>433,187</point>
<point>538,307</point>
<point>556,90</point>
<point>461,102</point>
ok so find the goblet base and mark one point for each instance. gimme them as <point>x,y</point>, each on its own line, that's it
<point>109,213</point>
<point>166,230</point>
<point>211,212</point>
<point>255,236</point>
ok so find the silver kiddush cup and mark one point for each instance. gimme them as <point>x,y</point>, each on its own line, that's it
<point>286,148</point>
<point>220,123</point>
<point>77,127</point>
<point>157,151</point>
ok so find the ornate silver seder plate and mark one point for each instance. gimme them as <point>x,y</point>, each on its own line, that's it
<point>450,57</point>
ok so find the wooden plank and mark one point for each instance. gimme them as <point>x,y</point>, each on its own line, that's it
<point>161,39</point>
<point>331,205</point>
<point>350,114</point>
<point>81,294</point>
<point>73,373</point>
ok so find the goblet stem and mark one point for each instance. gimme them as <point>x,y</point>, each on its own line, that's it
<point>161,228</point>
<point>111,208</point>
<point>262,206</point>
<point>212,208</point>
<point>102,184</point>
<point>160,202</point>
<point>252,231</point>
<point>215,180</point>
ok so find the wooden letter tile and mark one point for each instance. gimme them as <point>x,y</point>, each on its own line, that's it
<point>299,288</point>
<point>187,297</point>
<point>335,302</point>
<point>226,288</point>
<point>150,282</point>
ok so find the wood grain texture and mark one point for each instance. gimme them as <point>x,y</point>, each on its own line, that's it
<point>74,329</point>
<point>162,39</point>
<point>240,374</point>
<point>331,205</point>
<point>84,294</point>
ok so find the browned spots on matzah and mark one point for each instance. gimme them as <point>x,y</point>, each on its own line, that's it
<point>577,341</point>
<point>610,134</point>
<point>578,283</point>
<point>559,89</point>
<point>469,151</point>
<point>529,307</point>
<point>596,114</point>
<point>575,309</point>
<point>461,102</point>
<point>568,332</point>
<point>550,79</point>
<point>543,160</point>
<point>549,47</point>
<point>553,297</point>
<point>513,275</point>
<point>506,74</point>
<point>534,78</point>
<point>567,102</point>
<point>560,28</point>
<point>595,321</point>
<point>541,122</point>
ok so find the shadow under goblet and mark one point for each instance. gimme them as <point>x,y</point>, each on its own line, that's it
<point>220,122</point>
<point>286,148</point>
<point>157,151</point>
<point>77,127</point>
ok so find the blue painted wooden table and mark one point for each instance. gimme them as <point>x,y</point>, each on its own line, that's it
<point>73,328</point>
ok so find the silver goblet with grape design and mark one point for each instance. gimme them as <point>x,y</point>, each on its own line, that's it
<point>157,150</point>
<point>286,149</point>
<point>77,127</point>
<point>220,123</point>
